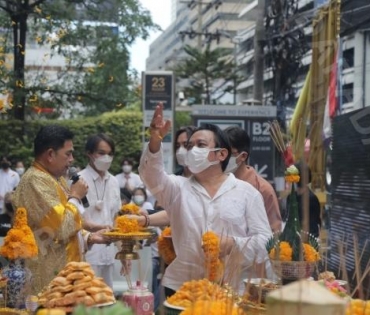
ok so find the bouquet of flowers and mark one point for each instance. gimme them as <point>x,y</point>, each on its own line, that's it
<point>19,243</point>
<point>293,253</point>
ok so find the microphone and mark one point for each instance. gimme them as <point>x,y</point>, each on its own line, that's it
<point>73,175</point>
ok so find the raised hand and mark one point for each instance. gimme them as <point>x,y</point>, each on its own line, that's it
<point>158,126</point>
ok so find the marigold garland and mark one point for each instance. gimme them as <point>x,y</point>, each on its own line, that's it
<point>213,308</point>
<point>19,243</point>
<point>165,246</point>
<point>211,248</point>
<point>127,225</point>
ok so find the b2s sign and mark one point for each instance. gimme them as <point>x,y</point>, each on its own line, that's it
<point>262,153</point>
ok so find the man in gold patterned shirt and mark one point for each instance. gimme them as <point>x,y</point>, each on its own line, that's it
<point>54,209</point>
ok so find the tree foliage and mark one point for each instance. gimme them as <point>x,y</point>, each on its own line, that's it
<point>91,37</point>
<point>211,73</point>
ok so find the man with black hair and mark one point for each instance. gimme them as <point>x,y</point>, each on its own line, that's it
<point>240,148</point>
<point>53,208</point>
<point>209,200</point>
<point>9,179</point>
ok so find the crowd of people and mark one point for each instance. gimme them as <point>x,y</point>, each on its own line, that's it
<point>214,189</point>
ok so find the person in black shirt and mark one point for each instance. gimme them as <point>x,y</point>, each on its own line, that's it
<point>7,217</point>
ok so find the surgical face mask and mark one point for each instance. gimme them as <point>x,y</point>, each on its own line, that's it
<point>197,159</point>
<point>138,200</point>
<point>126,168</point>
<point>232,165</point>
<point>20,170</point>
<point>103,163</point>
<point>181,155</point>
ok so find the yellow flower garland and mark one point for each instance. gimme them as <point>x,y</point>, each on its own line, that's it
<point>19,241</point>
<point>165,246</point>
<point>127,225</point>
<point>211,248</point>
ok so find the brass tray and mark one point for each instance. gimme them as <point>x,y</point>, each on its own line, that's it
<point>139,236</point>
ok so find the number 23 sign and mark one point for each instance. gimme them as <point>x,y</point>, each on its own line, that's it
<point>158,87</point>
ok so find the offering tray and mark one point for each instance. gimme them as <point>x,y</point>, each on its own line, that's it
<point>129,242</point>
<point>137,236</point>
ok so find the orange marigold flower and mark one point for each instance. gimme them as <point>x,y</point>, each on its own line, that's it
<point>292,178</point>
<point>127,225</point>
<point>310,254</point>
<point>130,208</point>
<point>285,252</point>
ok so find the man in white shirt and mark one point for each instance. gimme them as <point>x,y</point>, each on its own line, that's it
<point>210,200</point>
<point>9,180</point>
<point>104,199</point>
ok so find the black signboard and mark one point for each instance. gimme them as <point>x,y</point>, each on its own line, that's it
<point>261,148</point>
<point>158,87</point>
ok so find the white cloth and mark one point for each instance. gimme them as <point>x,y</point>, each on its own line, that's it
<point>237,211</point>
<point>107,190</point>
<point>9,180</point>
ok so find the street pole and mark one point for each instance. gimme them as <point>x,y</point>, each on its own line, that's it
<point>259,39</point>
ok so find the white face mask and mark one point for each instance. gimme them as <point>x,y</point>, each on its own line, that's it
<point>20,170</point>
<point>138,200</point>
<point>126,168</point>
<point>232,165</point>
<point>197,159</point>
<point>103,163</point>
<point>181,155</point>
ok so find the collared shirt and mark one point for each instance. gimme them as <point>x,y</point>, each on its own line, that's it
<point>103,193</point>
<point>8,181</point>
<point>236,211</point>
<point>268,194</point>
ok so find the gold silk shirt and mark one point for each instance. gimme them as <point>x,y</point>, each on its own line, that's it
<point>55,222</point>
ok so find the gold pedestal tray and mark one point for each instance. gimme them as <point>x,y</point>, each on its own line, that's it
<point>129,243</point>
